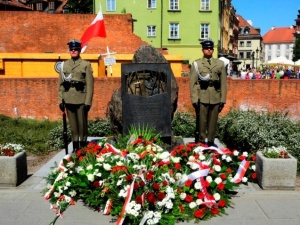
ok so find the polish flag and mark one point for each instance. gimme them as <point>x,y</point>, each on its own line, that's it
<point>96,29</point>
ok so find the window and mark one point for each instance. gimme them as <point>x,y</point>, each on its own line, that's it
<point>174,30</point>
<point>242,44</point>
<point>204,29</point>
<point>151,4</point>
<point>204,5</point>
<point>111,5</point>
<point>39,6</point>
<point>248,56</point>
<point>174,4</point>
<point>241,55</point>
<point>248,43</point>
<point>151,31</point>
<point>51,5</point>
<point>278,47</point>
<point>269,47</point>
<point>287,46</point>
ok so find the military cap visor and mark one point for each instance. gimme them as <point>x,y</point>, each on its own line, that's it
<point>207,44</point>
<point>74,44</point>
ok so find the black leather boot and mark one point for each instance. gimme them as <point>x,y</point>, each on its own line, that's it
<point>75,146</point>
<point>83,144</point>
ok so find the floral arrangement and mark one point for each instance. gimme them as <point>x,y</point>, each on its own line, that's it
<point>276,152</point>
<point>145,184</point>
<point>10,149</point>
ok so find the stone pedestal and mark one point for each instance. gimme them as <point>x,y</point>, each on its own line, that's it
<point>13,169</point>
<point>276,173</point>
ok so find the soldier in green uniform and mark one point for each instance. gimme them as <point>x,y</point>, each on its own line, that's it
<point>75,93</point>
<point>208,91</point>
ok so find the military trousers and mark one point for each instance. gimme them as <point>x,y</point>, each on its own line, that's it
<point>208,121</point>
<point>78,120</point>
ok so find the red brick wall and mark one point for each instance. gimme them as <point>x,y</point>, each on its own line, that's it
<point>37,98</point>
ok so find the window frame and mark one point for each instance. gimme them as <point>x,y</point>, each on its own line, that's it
<point>204,5</point>
<point>111,5</point>
<point>151,31</point>
<point>174,5</point>
<point>151,4</point>
<point>203,28</point>
<point>171,31</point>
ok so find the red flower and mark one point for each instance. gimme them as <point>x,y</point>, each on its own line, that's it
<point>161,196</point>
<point>149,176</point>
<point>188,198</point>
<point>242,157</point>
<point>199,213</point>
<point>184,155</point>
<point>253,157</point>
<point>253,175</point>
<point>229,171</point>
<point>222,203</point>
<point>188,183</point>
<point>165,183</point>
<point>156,186</point>
<point>129,177</point>
<point>214,211</point>
<point>223,176</point>
<point>96,183</point>
<point>135,186</point>
<point>151,197</point>
<point>200,195</point>
<point>138,199</point>
<point>221,186</point>
<point>177,166</point>
<point>181,208</point>
<point>141,183</point>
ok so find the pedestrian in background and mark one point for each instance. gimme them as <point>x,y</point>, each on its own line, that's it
<point>208,91</point>
<point>75,93</point>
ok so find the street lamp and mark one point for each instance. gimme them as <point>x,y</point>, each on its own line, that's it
<point>256,56</point>
<point>252,56</point>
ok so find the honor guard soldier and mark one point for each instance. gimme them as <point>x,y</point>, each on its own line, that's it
<point>208,91</point>
<point>75,93</point>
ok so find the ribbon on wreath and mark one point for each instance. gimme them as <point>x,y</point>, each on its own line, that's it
<point>114,150</point>
<point>107,208</point>
<point>241,172</point>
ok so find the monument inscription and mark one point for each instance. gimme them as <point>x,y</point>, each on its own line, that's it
<point>146,96</point>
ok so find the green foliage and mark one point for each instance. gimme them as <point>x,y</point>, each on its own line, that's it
<point>85,6</point>
<point>99,128</point>
<point>184,124</point>
<point>30,133</point>
<point>251,131</point>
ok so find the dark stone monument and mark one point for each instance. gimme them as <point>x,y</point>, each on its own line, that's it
<point>146,97</point>
<point>145,54</point>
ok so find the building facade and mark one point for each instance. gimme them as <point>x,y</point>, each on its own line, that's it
<point>176,25</point>
<point>249,45</point>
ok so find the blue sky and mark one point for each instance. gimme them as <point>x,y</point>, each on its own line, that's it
<point>267,13</point>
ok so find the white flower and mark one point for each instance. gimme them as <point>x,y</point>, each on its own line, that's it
<point>79,169</point>
<point>98,174</point>
<point>235,153</point>
<point>217,168</point>
<point>119,182</point>
<point>209,179</point>
<point>223,157</point>
<point>175,159</point>
<point>202,157</point>
<point>100,159</point>
<point>169,205</point>
<point>56,194</point>
<point>178,176</point>
<point>244,179</point>
<point>73,193</point>
<point>89,167</point>
<point>182,196</point>
<point>149,214</point>
<point>197,185</point>
<point>217,196</point>
<point>192,205</point>
<point>228,159</point>
<point>133,156</point>
<point>70,164</point>
<point>164,155</point>
<point>148,148</point>
<point>193,166</point>
<point>119,163</point>
<point>218,180</point>
<point>90,177</point>
<point>199,201</point>
<point>107,167</point>
<point>191,158</point>
<point>253,167</point>
<point>245,154</point>
<point>68,184</point>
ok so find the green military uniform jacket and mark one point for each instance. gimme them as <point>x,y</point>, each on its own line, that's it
<point>212,91</point>
<point>79,71</point>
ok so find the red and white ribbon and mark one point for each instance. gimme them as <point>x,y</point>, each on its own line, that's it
<point>107,208</point>
<point>241,172</point>
<point>114,150</point>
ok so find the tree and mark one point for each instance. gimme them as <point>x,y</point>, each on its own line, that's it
<point>81,6</point>
<point>296,50</point>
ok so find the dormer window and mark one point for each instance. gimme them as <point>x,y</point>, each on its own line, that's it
<point>246,30</point>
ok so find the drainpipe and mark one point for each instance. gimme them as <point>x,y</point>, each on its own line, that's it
<point>161,22</point>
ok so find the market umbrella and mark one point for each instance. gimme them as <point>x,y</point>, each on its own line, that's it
<point>281,60</point>
<point>297,63</point>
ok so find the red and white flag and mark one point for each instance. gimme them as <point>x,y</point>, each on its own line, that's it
<point>95,29</point>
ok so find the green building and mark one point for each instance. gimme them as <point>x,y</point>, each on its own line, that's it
<point>176,25</point>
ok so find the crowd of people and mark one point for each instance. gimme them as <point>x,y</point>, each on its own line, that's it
<point>268,74</point>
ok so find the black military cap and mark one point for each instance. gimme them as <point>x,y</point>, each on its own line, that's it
<point>207,44</point>
<point>74,44</point>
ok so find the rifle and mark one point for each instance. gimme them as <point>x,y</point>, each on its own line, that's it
<point>65,130</point>
<point>197,134</point>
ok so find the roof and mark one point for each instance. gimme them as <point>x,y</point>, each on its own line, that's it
<point>244,23</point>
<point>279,35</point>
<point>14,4</point>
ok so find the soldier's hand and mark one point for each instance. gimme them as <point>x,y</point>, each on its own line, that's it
<point>62,107</point>
<point>221,106</point>
<point>86,108</point>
